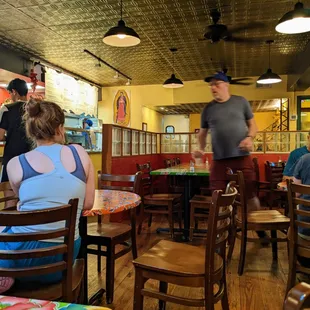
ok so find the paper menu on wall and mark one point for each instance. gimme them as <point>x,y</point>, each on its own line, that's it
<point>71,94</point>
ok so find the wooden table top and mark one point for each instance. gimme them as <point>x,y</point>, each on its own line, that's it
<point>7,302</point>
<point>112,201</point>
<point>183,169</point>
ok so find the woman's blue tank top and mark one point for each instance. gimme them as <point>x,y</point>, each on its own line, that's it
<point>40,191</point>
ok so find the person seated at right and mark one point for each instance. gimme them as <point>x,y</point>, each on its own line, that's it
<point>294,158</point>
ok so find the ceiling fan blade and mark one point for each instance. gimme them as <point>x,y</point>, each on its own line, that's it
<point>243,40</point>
<point>240,83</point>
<point>249,26</point>
<point>241,79</point>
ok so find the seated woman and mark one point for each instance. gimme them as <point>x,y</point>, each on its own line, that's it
<point>48,176</point>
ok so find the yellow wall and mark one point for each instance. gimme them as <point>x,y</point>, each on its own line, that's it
<point>153,119</point>
<point>96,160</point>
<point>263,120</point>
<point>180,122</point>
<point>192,92</point>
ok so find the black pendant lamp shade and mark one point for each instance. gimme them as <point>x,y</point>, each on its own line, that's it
<point>269,77</point>
<point>121,35</point>
<point>173,81</point>
<point>295,21</point>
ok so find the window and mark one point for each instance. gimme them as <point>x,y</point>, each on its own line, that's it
<point>170,129</point>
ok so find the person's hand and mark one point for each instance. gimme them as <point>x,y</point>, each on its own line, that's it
<point>197,154</point>
<point>246,144</point>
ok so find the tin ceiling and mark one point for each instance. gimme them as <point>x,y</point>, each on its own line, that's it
<point>59,30</point>
<point>196,108</point>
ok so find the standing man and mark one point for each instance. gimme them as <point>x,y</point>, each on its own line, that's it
<point>11,124</point>
<point>233,128</point>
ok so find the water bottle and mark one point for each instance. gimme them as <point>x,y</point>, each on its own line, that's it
<point>191,166</point>
<point>207,163</point>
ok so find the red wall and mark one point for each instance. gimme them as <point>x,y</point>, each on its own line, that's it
<point>127,165</point>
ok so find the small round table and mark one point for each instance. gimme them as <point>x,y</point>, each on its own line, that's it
<point>106,202</point>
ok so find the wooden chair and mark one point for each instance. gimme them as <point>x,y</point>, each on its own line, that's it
<point>168,204</point>
<point>9,197</point>
<point>261,186</point>
<point>167,163</point>
<point>178,161</point>
<point>148,181</point>
<point>298,297</point>
<point>186,265</point>
<point>200,206</point>
<point>110,235</point>
<point>274,175</point>
<point>298,246</point>
<point>69,288</point>
<point>173,162</point>
<point>244,220</point>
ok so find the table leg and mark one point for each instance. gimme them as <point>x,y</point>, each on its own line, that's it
<point>96,298</point>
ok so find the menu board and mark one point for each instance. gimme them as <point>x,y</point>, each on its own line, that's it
<point>70,93</point>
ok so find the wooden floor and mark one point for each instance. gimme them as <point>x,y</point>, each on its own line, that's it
<point>262,285</point>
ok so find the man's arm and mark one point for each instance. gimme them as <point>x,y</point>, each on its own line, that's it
<point>2,134</point>
<point>202,138</point>
<point>252,128</point>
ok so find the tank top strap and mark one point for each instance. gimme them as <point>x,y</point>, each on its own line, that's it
<point>28,171</point>
<point>53,152</point>
<point>79,171</point>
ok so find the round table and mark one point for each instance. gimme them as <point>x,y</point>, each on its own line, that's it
<point>112,201</point>
<point>106,202</point>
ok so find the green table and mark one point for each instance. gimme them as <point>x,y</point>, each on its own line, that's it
<point>184,171</point>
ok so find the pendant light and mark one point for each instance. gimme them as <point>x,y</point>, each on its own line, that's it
<point>121,35</point>
<point>269,77</point>
<point>295,21</point>
<point>173,82</point>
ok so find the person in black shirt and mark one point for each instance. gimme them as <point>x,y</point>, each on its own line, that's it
<point>11,124</point>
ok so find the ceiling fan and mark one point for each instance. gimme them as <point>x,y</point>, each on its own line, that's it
<point>216,32</point>
<point>238,81</point>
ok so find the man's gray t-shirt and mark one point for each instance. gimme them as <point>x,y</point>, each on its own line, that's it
<point>227,122</point>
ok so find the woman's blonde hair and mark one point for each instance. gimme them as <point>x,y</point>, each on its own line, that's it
<point>42,119</point>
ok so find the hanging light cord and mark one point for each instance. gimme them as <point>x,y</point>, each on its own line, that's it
<point>269,55</point>
<point>121,9</point>
<point>173,62</point>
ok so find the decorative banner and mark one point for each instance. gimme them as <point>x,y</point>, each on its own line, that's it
<point>121,108</point>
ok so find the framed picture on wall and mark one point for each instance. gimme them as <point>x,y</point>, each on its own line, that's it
<point>144,126</point>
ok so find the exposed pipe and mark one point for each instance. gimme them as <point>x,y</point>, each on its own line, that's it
<point>107,64</point>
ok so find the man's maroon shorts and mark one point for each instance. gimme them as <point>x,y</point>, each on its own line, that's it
<point>218,178</point>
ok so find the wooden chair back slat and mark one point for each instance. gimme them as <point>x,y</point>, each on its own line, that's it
<point>240,201</point>
<point>21,254</point>
<point>30,271</point>
<point>298,297</point>
<point>304,252</point>
<point>146,177</point>
<point>218,225</point>
<point>57,233</point>
<point>116,182</point>
<point>67,214</point>
<point>274,173</point>
<point>295,223</point>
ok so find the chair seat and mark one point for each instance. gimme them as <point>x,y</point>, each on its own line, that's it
<point>49,291</point>
<point>199,199</point>
<point>107,230</point>
<point>173,258</point>
<point>162,197</point>
<point>266,217</point>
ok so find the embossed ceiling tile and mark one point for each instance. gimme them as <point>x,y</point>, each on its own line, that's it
<point>19,21</point>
